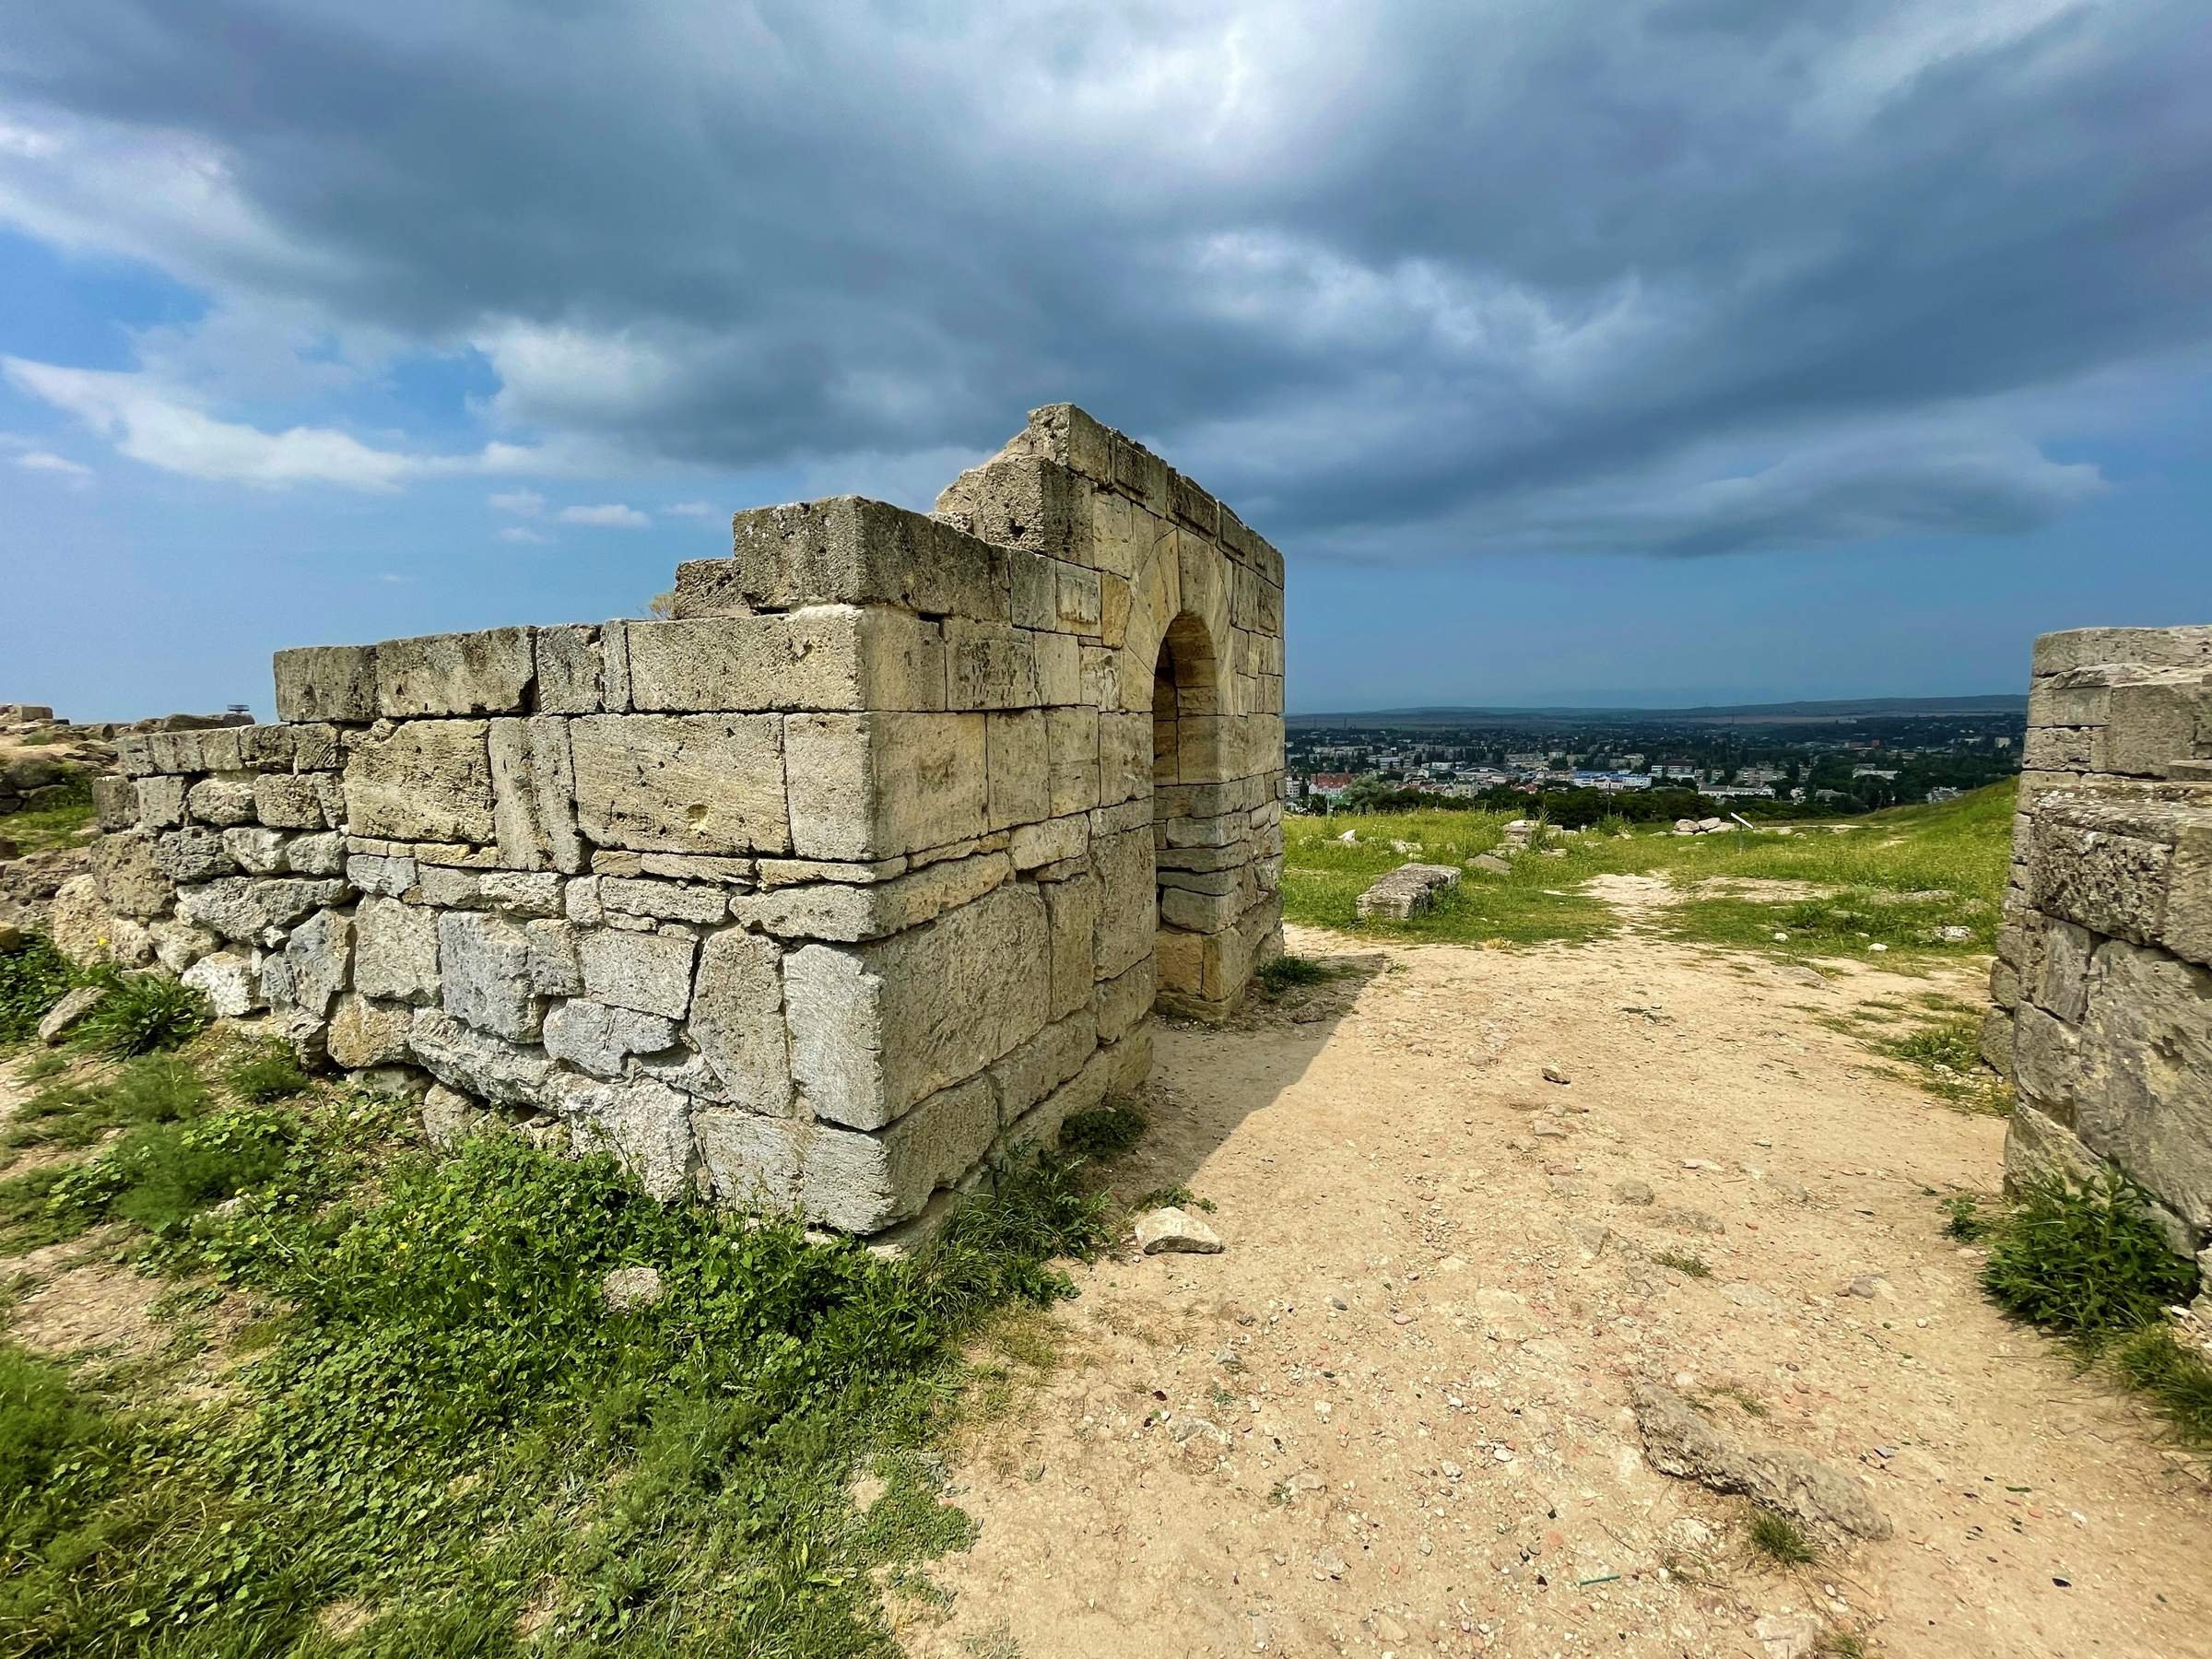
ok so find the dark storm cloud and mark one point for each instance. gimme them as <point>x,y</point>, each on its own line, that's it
<point>1402,279</point>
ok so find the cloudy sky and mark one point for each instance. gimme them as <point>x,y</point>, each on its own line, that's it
<point>1616,351</point>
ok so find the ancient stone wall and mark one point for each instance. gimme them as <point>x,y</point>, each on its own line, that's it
<point>2103,977</point>
<point>867,867</point>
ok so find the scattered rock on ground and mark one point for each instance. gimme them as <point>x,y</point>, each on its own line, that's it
<point>1632,1192</point>
<point>1173,1230</point>
<point>67,1012</point>
<point>625,1290</point>
<point>1680,1439</point>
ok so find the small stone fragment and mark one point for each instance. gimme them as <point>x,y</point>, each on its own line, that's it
<point>627,1290</point>
<point>68,1013</point>
<point>1173,1230</point>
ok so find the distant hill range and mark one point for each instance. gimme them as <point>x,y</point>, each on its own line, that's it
<point>1780,713</point>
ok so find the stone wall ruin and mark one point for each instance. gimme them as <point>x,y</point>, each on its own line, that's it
<point>867,867</point>
<point>2103,977</point>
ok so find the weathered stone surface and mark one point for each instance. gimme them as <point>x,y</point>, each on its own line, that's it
<point>571,676</point>
<point>1399,895</point>
<point>1017,771</point>
<point>221,800</point>
<point>990,666</point>
<point>847,912</point>
<point>645,1125</point>
<point>2145,1099</point>
<point>161,803</point>
<point>192,854</point>
<point>600,1038</point>
<point>388,876</point>
<point>228,981</point>
<point>396,951</point>
<point>132,882</point>
<point>247,907</point>
<point>483,973</point>
<point>321,854</point>
<point>114,802</point>
<point>178,944</point>
<point>532,794</point>
<point>429,779</point>
<point>870,786</point>
<point>1037,1067</point>
<point>256,850</point>
<point>326,682</point>
<point>737,1019</point>
<point>648,972</point>
<point>1128,903</point>
<point>825,657</point>
<point>476,1063</point>
<point>486,673</point>
<point>1072,919</point>
<point>710,783</point>
<point>662,901</point>
<point>1679,1440</point>
<point>1177,1231</point>
<point>876,1027</point>
<point>846,550</point>
<point>628,1289</point>
<point>1122,1001</point>
<point>66,1014</point>
<point>364,1032</point>
<point>319,960</point>
<point>862,1184</point>
<point>449,1117</point>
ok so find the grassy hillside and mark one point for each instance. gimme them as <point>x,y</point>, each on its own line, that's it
<point>1890,878</point>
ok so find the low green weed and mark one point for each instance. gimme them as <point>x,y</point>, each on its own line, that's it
<point>1780,1539</point>
<point>1107,1132</point>
<point>1287,970</point>
<point>2082,1258</point>
<point>2176,1377</point>
<point>265,1072</point>
<point>1964,1220</point>
<point>140,1013</point>
<point>1682,1261</point>
<point>153,1089</point>
<point>33,977</point>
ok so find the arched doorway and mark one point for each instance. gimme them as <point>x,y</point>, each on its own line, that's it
<point>1193,879</point>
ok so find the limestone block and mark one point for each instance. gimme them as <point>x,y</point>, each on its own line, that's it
<point>396,951</point>
<point>2037,1146</point>
<point>751,1161</point>
<point>178,944</point>
<point>221,800</point>
<point>246,908</point>
<point>2058,748</point>
<point>876,1027</point>
<point>1120,1005</point>
<point>871,786</point>
<point>484,968</point>
<point>114,802</point>
<point>379,874</point>
<point>1035,588</point>
<point>862,1184</point>
<point>2061,984</point>
<point>133,754</point>
<point>131,881</point>
<point>1142,474</point>
<point>643,1123</point>
<point>822,657</point>
<point>849,551</point>
<point>649,972</point>
<point>265,748</point>
<point>2149,647</point>
<point>1051,842</point>
<point>516,892</point>
<point>1071,910</point>
<point>1071,741</point>
<point>486,673</point>
<point>319,960</point>
<point>1996,1047</point>
<point>599,1038</point>
<point>2108,882</point>
<point>429,779</point>
<point>2047,1061</point>
<point>364,1032</point>
<point>1039,1066</point>
<point>287,801</point>
<point>1124,758</point>
<point>848,912</point>
<point>1022,501</point>
<point>326,682</point>
<point>1116,1068</point>
<point>450,1118</point>
<point>1200,912</point>
<point>571,677</point>
<point>228,982</point>
<point>1059,667</point>
<point>1063,433</point>
<point>552,961</point>
<point>79,923</point>
<point>1018,774</point>
<point>2185,927</point>
<point>662,901</point>
<point>1078,594</point>
<point>2149,1035</point>
<point>1127,904</point>
<point>699,783</point>
<point>161,803</point>
<point>1115,602</point>
<point>990,666</point>
<point>476,1063</point>
<point>533,793</point>
<point>256,850</point>
<point>737,1019</point>
<point>1193,505</point>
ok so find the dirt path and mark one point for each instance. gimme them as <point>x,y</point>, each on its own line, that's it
<point>1391,1417</point>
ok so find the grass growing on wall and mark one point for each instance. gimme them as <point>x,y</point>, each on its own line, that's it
<point>1891,879</point>
<point>438,1437</point>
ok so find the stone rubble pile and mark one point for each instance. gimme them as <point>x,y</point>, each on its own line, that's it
<point>862,872</point>
<point>1406,892</point>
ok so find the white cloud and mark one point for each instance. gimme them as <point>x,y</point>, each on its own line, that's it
<point>43,461</point>
<point>613,515</point>
<point>157,424</point>
<point>522,503</point>
<point>689,510</point>
<point>523,534</point>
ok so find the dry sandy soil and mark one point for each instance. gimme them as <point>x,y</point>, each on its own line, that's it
<point>1393,1416</point>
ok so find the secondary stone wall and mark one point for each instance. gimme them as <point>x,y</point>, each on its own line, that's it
<point>866,868</point>
<point>2103,977</point>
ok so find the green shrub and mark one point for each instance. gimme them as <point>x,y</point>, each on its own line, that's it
<point>1780,1539</point>
<point>1286,970</point>
<point>140,1013</point>
<point>1965,1220</point>
<point>33,977</point>
<point>1106,1133</point>
<point>2177,1377</point>
<point>2082,1258</point>
<point>265,1072</point>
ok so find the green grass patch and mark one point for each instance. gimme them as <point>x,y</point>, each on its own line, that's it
<point>2082,1260</point>
<point>59,820</point>
<point>264,1071</point>
<point>447,1443</point>
<point>1107,1132</point>
<point>1286,971</point>
<point>33,977</point>
<point>1682,1261</point>
<point>1774,1536</point>
<point>154,1088</point>
<point>139,1014</point>
<point>1893,878</point>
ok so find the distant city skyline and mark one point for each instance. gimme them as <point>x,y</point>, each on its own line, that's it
<point>1644,354</point>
